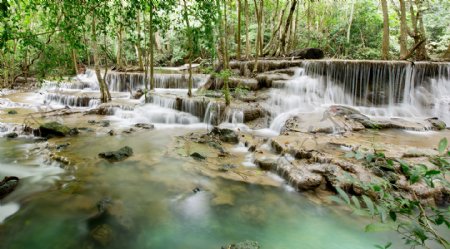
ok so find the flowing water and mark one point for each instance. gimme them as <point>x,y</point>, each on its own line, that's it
<point>153,192</point>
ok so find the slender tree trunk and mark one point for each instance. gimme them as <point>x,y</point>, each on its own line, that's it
<point>350,21</point>
<point>138,43</point>
<point>257,40</point>
<point>103,95</point>
<point>418,30</point>
<point>119,46</point>
<point>188,26</point>
<point>286,28</point>
<point>227,59</point>
<point>74,59</point>
<point>403,29</point>
<point>152,54</point>
<point>238,40</point>
<point>447,53</point>
<point>385,46</point>
<point>247,40</point>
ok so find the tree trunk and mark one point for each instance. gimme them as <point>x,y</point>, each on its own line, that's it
<point>74,59</point>
<point>385,46</point>
<point>403,29</point>
<point>119,47</point>
<point>138,43</point>
<point>152,54</point>
<point>350,21</point>
<point>286,28</point>
<point>247,41</point>
<point>188,27</point>
<point>418,30</point>
<point>103,95</point>
<point>238,40</point>
<point>257,40</point>
<point>226,61</point>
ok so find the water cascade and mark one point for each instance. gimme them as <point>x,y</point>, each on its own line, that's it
<point>377,89</point>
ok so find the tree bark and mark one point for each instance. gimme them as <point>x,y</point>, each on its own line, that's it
<point>188,27</point>
<point>257,40</point>
<point>385,45</point>
<point>74,59</point>
<point>286,28</point>
<point>247,40</point>
<point>152,54</point>
<point>119,46</point>
<point>238,40</point>
<point>103,95</point>
<point>138,43</point>
<point>403,29</point>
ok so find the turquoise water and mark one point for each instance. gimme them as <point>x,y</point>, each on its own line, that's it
<point>154,205</point>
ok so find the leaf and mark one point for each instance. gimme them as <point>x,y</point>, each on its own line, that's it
<point>379,227</point>
<point>389,244</point>
<point>414,178</point>
<point>336,199</point>
<point>432,172</point>
<point>343,195</point>
<point>393,215</point>
<point>442,145</point>
<point>369,204</point>
<point>356,202</point>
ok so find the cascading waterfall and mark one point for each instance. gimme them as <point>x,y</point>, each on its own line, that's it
<point>377,89</point>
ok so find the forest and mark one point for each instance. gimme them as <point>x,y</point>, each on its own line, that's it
<point>232,124</point>
<point>53,38</point>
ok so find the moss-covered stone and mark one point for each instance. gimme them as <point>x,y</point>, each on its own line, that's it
<point>53,129</point>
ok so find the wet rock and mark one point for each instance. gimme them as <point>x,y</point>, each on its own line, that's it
<point>138,94</point>
<point>197,156</point>
<point>226,167</point>
<point>62,146</point>
<point>225,135</point>
<point>53,129</point>
<point>196,190</point>
<point>145,126</point>
<point>308,53</point>
<point>266,164</point>
<point>12,112</point>
<point>111,133</point>
<point>12,135</point>
<point>437,124</point>
<point>248,244</point>
<point>118,155</point>
<point>129,131</point>
<point>7,185</point>
<point>102,234</point>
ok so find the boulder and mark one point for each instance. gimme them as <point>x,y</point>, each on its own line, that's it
<point>437,124</point>
<point>308,53</point>
<point>12,112</point>
<point>225,135</point>
<point>118,155</point>
<point>7,185</point>
<point>138,94</point>
<point>12,135</point>
<point>248,244</point>
<point>53,129</point>
<point>266,164</point>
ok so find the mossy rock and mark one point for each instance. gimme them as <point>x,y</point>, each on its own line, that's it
<point>53,129</point>
<point>118,155</point>
<point>12,112</point>
<point>248,244</point>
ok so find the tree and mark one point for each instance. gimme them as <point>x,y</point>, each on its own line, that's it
<point>385,46</point>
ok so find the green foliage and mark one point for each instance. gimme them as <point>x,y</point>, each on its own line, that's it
<point>414,221</point>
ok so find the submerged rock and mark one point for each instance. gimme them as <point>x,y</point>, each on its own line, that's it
<point>197,156</point>
<point>12,135</point>
<point>7,185</point>
<point>54,129</point>
<point>225,135</point>
<point>248,244</point>
<point>12,112</point>
<point>145,126</point>
<point>226,167</point>
<point>118,155</point>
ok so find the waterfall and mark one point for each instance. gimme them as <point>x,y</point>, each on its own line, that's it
<point>377,89</point>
